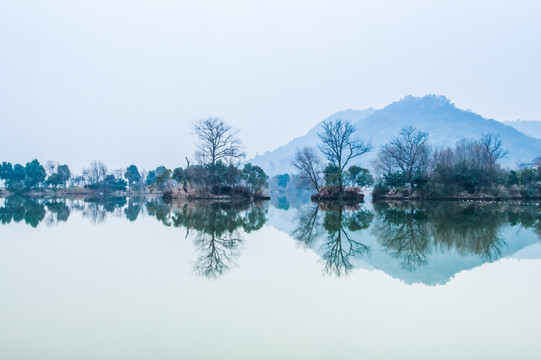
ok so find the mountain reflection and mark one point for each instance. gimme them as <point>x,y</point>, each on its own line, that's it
<point>411,232</point>
<point>333,225</point>
<point>426,242</point>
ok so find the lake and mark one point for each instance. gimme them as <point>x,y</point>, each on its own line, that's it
<point>138,278</point>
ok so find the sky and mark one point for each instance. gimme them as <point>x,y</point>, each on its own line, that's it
<point>123,81</point>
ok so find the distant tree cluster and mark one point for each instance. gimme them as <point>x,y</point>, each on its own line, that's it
<point>217,179</point>
<point>34,176</point>
<point>286,183</point>
<point>408,165</point>
<point>217,171</point>
<point>340,147</point>
<point>18,178</point>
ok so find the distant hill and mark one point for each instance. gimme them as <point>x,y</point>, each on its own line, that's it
<point>444,122</point>
<point>529,127</point>
<point>278,161</point>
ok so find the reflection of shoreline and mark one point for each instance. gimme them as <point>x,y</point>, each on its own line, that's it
<point>457,197</point>
<point>216,227</point>
<point>76,192</point>
<point>98,208</point>
<point>416,242</point>
<point>428,242</point>
<point>85,193</point>
<point>410,232</point>
<point>417,202</point>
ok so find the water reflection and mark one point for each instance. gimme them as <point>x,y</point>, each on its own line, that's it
<point>411,232</point>
<point>54,210</point>
<point>215,229</point>
<point>398,238</point>
<point>414,235</point>
<point>133,209</point>
<point>97,209</point>
<point>404,233</point>
<point>336,227</point>
<point>59,211</point>
<point>17,209</point>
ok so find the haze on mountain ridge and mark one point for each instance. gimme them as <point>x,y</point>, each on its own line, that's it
<point>444,122</point>
<point>529,127</point>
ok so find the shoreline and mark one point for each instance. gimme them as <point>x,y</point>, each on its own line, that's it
<point>455,198</point>
<point>93,194</point>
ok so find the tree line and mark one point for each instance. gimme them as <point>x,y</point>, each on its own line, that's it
<point>409,167</point>
<point>217,171</point>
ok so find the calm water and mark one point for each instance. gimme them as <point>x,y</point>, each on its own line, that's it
<point>140,279</point>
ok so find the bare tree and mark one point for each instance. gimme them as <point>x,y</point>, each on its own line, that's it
<point>118,173</point>
<point>408,154</point>
<point>309,165</point>
<point>482,154</point>
<point>217,141</point>
<point>50,167</point>
<point>492,149</point>
<point>339,145</point>
<point>470,152</point>
<point>95,173</point>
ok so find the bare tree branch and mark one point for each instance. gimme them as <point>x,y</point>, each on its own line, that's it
<point>309,165</point>
<point>339,145</point>
<point>217,141</point>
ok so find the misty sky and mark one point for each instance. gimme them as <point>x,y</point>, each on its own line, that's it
<point>122,81</point>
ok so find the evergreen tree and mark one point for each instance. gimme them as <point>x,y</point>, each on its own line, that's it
<point>35,174</point>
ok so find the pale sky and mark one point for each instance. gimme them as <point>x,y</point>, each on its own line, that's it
<point>122,81</point>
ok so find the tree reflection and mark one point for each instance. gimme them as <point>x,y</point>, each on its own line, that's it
<point>310,225</point>
<point>338,247</point>
<point>410,232</point>
<point>471,229</point>
<point>217,253</point>
<point>133,209</point>
<point>17,209</point>
<point>160,210</point>
<point>405,234</point>
<point>97,209</point>
<point>59,211</point>
<point>215,228</point>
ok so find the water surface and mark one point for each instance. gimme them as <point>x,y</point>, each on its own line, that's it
<point>139,279</point>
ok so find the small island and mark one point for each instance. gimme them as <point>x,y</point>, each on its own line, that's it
<point>339,146</point>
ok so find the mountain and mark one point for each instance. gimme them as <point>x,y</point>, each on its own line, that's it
<point>444,122</point>
<point>529,127</point>
<point>278,161</point>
